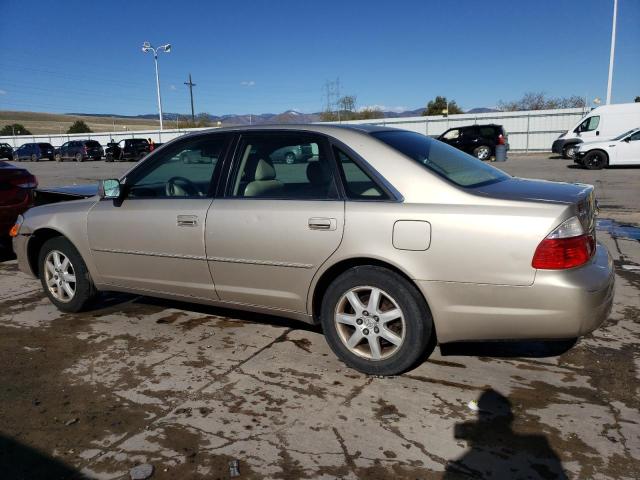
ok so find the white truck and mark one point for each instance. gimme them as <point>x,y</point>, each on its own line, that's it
<point>601,123</point>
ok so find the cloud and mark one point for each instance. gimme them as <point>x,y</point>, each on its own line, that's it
<point>173,87</point>
<point>248,83</point>
<point>3,92</point>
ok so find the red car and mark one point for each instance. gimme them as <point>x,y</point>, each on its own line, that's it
<point>16,195</point>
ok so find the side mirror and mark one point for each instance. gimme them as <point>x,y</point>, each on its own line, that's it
<point>109,189</point>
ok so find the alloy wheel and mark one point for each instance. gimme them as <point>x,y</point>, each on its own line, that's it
<point>370,323</point>
<point>483,153</point>
<point>60,276</point>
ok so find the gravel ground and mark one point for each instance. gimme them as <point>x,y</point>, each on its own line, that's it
<point>189,389</point>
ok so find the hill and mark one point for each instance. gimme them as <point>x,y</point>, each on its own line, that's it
<point>42,123</point>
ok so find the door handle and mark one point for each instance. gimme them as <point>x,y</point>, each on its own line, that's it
<point>322,223</point>
<point>187,220</point>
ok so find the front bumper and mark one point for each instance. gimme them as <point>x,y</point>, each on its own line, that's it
<point>20,249</point>
<point>560,304</point>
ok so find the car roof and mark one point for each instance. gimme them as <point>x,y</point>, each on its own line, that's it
<point>306,127</point>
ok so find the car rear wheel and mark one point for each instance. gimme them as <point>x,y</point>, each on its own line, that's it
<point>64,276</point>
<point>376,321</point>
<point>482,152</point>
<point>595,160</point>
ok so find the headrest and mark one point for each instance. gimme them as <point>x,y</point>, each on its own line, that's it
<point>264,170</point>
<point>318,174</point>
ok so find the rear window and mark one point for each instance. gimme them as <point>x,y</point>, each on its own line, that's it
<point>442,159</point>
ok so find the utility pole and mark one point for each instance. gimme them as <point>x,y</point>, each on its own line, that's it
<point>190,84</point>
<point>613,50</point>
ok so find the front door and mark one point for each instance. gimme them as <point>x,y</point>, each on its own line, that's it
<point>153,240</point>
<point>279,221</point>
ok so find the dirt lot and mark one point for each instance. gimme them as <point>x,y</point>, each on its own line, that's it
<point>188,388</point>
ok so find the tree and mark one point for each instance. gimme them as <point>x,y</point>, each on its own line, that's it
<point>540,101</point>
<point>79,127</point>
<point>14,129</point>
<point>369,113</point>
<point>637,99</point>
<point>440,104</point>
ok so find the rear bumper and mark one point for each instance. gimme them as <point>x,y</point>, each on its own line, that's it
<point>559,304</point>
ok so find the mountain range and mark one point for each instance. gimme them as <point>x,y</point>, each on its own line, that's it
<point>290,116</point>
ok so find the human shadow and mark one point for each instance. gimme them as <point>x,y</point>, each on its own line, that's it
<point>21,462</point>
<point>496,451</point>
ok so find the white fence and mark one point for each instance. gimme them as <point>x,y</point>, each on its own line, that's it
<point>533,130</point>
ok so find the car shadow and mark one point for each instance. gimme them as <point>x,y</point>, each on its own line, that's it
<point>21,461</point>
<point>497,349</point>
<point>117,301</point>
<point>496,451</point>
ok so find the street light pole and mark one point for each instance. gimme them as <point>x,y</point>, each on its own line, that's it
<point>613,50</point>
<point>147,47</point>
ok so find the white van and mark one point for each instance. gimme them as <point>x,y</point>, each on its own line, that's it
<point>601,123</point>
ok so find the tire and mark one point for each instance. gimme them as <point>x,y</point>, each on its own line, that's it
<point>413,326</point>
<point>290,158</point>
<point>34,158</point>
<point>569,151</point>
<point>79,158</point>
<point>58,157</point>
<point>84,291</point>
<point>483,152</point>
<point>595,160</point>
<point>108,158</point>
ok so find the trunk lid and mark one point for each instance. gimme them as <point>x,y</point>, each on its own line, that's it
<point>580,196</point>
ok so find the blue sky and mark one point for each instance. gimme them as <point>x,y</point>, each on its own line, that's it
<point>259,56</point>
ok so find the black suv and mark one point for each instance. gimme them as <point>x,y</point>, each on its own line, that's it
<point>6,151</point>
<point>132,149</point>
<point>34,152</point>
<point>79,150</point>
<point>477,140</point>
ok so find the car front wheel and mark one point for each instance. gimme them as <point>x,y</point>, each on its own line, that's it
<point>569,151</point>
<point>376,321</point>
<point>595,160</point>
<point>64,276</point>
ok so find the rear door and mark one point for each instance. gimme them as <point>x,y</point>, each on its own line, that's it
<point>277,222</point>
<point>153,240</point>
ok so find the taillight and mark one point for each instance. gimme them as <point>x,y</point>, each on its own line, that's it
<point>25,181</point>
<point>501,140</point>
<point>568,246</point>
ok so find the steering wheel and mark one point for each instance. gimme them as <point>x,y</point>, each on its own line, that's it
<point>182,187</point>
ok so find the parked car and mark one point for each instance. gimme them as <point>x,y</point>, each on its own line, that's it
<point>6,151</point>
<point>79,150</point>
<point>388,238</point>
<point>34,152</point>
<point>130,149</point>
<point>477,140</point>
<point>601,123</point>
<point>290,154</point>
<point>622,150</point>
<point>16,195</point>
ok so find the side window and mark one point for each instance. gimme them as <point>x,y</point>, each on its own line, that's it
<point>488,132</point>
<point>634,137</point>
<point>589,124</point>
<point>358,184</point>
<point>285,166</point>
<point>185,170</point>
<point>451,134</point>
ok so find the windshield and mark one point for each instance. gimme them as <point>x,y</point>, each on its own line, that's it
<point>442,159</point>
<point>620,137</point>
